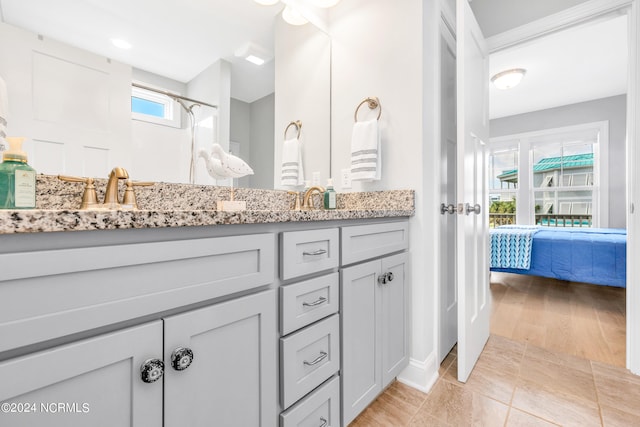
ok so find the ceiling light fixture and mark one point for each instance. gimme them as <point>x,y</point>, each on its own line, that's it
<point>266,2</point>
<point>253,53</point>
<point>293,17</point>
<point>508,78</point>
<point>122,44</point>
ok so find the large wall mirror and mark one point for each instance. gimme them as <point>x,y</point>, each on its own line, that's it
<point>70,88</point>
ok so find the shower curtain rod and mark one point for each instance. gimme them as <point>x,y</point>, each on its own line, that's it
<point>172,95</point>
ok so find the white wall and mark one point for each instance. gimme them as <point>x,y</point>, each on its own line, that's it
<point>160,153</point>
<point>612,109</point>
<point>379,49</point>
<point>303,76</point>
<point>73,106</point>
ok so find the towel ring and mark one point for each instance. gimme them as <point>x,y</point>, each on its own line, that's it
<point>373,103</point>
<point>297,124</point>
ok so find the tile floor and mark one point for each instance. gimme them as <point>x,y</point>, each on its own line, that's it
<point>524,380</point>
<point>515,384</point>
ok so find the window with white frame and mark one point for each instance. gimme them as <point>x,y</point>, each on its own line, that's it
<point>153,107</point>
<point>561,175</point>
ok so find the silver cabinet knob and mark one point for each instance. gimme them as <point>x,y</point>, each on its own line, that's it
<point>384,278</point>
<point>181,358</point>
<point>151,370</point>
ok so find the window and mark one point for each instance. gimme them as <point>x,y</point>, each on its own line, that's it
<point>503,186</point>
<point>555,175</point>
<point>153,107</point>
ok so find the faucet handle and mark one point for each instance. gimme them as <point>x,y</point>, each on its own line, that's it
<point>129,198</point>
<point>296,203</point>
<point>89,197</point>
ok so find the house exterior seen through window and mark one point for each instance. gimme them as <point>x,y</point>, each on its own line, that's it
<point>550,178</point>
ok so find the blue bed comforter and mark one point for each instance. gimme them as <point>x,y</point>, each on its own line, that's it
<point>589,255</point>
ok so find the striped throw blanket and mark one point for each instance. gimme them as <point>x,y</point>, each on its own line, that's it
<point>511,246</point>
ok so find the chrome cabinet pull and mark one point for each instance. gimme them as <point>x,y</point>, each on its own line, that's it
<point>314,253</point>
<point>181,358</point>
<point>317,360</point>
<point>324,422</point>
<point>316,302</point>
<point>151,370</point>
<point>389,277</point>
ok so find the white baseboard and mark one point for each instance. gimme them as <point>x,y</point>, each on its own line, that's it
<point>421,375</point>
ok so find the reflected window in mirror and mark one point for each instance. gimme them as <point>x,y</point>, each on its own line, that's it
<point>153,107</point>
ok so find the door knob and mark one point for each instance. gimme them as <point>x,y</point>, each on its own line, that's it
<point>475,209</point>
<point>151,370</point>
<point>181,358</point>
<point>450,209</point>
<point>382,279</point>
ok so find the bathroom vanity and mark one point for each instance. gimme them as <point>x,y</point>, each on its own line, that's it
<point>233,320</point>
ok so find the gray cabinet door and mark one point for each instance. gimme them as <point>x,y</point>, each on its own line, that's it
<point>361,369</point>
<point>232,379</point>
<point>92,382</point>
<point>395,333</point>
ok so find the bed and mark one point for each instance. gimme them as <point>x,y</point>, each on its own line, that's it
<point>589,255</point>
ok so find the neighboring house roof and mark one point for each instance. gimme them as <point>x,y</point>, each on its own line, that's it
<point>552,163</point>
<point>565,162</point>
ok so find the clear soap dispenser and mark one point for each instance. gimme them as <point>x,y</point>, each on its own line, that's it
<point>330,196</point>
<point>17,178</point>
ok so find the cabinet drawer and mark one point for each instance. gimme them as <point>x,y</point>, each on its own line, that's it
<point>308,358</point>
<point>306,302</point>
<point>309,251</point>
<point>51,293</point>
<point>320,408</point>
<point>362,242</point>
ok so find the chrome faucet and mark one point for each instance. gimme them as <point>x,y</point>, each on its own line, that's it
<point>111,193</point>
<point>307,201</point>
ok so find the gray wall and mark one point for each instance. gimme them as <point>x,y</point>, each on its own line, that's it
<point>612,109</point>
<point>252,125</point>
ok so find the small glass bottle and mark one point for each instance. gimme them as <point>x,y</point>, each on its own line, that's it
<point>330,196</point>
<point>17,178</point>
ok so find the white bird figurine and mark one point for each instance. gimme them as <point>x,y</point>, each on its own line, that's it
<point>224,165</point>
<point>214,166</point>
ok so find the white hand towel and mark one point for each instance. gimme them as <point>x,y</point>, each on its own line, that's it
<point>365,151</point>
<point>292,172</point>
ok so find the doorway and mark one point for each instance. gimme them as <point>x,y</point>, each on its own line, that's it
<point>446,282</point>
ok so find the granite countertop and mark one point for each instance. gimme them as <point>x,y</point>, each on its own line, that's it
<point>183,205</point>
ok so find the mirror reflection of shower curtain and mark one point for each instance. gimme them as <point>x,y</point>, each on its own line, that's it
<point>206,134</point>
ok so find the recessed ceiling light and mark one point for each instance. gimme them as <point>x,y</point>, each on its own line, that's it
<point>508,78</point>
<point>254,53</point>
<point>254,59</point>
<point>122,44</point>
<point>293,17</point>
<point>266,2</point>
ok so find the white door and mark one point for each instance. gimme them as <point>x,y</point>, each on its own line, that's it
<point>448,218</point>
<point>474,297</point>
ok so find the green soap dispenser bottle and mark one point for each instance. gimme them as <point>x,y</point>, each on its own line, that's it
<point>330,196</point>
<point>17,178</point>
